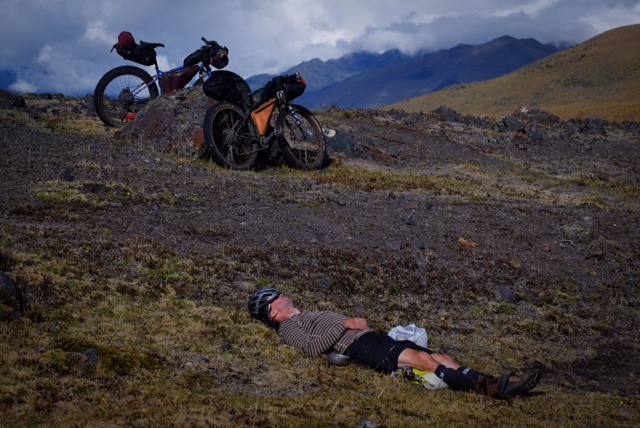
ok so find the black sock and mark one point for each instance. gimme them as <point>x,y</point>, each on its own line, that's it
<point>473,374</point>
<point>456,379</point>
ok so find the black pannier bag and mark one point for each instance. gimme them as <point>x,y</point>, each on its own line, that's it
<point>292,86</point>
<point>128,49</point>
<point>222,88</point>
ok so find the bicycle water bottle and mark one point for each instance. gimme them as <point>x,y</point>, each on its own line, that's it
<point>204,76</point>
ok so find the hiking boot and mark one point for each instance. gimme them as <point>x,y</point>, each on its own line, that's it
<point>492,386</point>
<point>523,383</point>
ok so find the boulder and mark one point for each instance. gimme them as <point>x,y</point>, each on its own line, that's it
<point>11,299</point>
<point>511,124</point>
<point>172,123</point>
<point>591,125</point>
<point>9,100</point>
<point>447,114</point>
<point>340,142</point>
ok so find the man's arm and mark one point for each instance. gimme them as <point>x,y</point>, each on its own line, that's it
<point>356,324</point>
<point>313,332</point>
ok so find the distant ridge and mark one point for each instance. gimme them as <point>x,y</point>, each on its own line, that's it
<point>320,74</point>
<point>597,78</point>
<point>429,73</point>
<point>374,80</point>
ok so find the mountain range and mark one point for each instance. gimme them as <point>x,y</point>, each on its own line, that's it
<point>597,78</point>
<point>321,74</point>
<point>369,80</point>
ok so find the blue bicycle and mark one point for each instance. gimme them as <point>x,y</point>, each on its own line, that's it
<point>123,91</point>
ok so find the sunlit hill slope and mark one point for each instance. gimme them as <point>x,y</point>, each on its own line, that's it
<point>597,78</point>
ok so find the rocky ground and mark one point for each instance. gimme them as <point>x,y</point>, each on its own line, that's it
<point>479,229</point>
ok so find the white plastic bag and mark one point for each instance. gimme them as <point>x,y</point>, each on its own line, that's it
<point>415,334</point>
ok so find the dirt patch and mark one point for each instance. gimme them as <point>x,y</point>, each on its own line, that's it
<point>514,240</point>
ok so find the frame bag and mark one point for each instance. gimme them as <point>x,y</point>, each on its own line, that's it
<point>178,79</point>
<point>262,114</point>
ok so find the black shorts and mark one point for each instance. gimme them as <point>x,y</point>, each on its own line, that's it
<point>379,351</point>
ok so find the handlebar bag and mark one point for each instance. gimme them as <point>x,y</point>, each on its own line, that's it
<point>201,55</point>
<point>292,87</point>
<point>217,55</point>
<point>220,57</point>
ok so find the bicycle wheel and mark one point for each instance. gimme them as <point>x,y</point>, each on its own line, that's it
<point>302,142</point>
<point>123,90</point>
<point>231,140</point>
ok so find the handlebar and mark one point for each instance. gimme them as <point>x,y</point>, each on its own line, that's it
<point>210,53</point>
<point>210,43</point>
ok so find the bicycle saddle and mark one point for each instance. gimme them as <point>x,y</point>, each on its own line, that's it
<point>151,45</point>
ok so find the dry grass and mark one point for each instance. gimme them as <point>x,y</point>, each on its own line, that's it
<point>177,348</point>
<point>467,183</point>
<point>598,78</point>
<point>163,361</point>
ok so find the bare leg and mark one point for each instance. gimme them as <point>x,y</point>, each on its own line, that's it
<point>446,369</point>
<point>426,362</point>
<point>446,361</point>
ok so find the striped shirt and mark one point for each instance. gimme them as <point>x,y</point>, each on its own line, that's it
<point>317,333</point>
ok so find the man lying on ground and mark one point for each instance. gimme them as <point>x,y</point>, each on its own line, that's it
<point>316,333</point>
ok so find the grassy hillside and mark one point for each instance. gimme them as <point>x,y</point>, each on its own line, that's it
<point>600,77</point>
<point>136,266</point>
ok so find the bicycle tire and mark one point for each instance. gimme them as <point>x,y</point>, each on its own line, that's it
<point>229,146</point>
<point>302,141</point>
<point>112,97</point>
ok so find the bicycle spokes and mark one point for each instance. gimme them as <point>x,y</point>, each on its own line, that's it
<point>302,141</point>
<point>123,90</point>
<point>230,140</point>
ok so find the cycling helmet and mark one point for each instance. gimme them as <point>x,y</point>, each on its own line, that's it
<point>260,300</point>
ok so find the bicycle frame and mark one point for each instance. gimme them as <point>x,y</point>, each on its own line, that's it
<point>159,75</point>
<point>123,87</point>
<point>265,141</point>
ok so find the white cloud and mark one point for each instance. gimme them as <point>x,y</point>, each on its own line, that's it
<point>58,45</point>
<point>22,87</point>
<point>616,16</point>
<point>98,31</point>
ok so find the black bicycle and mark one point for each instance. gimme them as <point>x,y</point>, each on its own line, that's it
<point>123,91</point>
<point>245,128</point>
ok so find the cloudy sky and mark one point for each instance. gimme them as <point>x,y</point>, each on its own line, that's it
<point>62,46</point>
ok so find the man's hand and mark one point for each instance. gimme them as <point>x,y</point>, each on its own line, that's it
<point>356,324</point>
